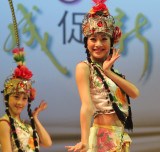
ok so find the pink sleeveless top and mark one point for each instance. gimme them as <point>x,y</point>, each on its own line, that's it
<point>99,95</point>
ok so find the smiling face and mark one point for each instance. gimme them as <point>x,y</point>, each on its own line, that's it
<point>17,102</point>
<point>99,46</point>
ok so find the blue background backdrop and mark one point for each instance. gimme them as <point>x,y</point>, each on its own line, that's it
<point>60,91</point>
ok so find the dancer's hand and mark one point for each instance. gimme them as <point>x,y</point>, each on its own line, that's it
<point>37,110</point>
<point>81,147</point>
<point>110,60</point>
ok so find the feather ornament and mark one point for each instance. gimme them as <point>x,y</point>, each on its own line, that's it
<point>99,1</point>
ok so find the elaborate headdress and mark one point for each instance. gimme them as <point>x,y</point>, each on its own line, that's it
<point>99,20</point>
<point>20,80</point>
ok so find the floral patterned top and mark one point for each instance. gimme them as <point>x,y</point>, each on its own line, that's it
<point>99,95</point>
<point>25,135</point>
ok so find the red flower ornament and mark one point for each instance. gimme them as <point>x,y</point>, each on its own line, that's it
<point>33,94</point>
<point>17,72</point>
<point>116,34</point>
<point>100,7</point>
<point>23,71</point>
<point>100,24</point>
<point>17,50</point>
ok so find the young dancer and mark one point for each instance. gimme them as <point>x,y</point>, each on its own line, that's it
<point>104,92</point>
<point>17,135</point>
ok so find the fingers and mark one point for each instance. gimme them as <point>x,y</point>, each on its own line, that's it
<point>70,148</point>
<point>41,102</point>
<point>116,54</point>
<point>43,105</point>
<point>82,147</point>
<point>78,147</point>
<point>115,51</point>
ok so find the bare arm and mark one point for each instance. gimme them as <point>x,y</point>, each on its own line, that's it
<point>86,112</point>
<point>82,79</point>
<point>5,137</point>
<point>129,88</point>
<point>45,139</point>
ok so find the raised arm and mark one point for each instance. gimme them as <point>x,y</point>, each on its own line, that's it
<point>5,137</point>
<point>45,139</point>
<point>86,112</point>
<point>129,88</point>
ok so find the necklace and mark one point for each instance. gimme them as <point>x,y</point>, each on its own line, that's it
<point>98,65</point>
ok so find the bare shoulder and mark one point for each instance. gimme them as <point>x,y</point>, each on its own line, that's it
<point>4,130</point>
<point>82,69</point>
<point>4,126</point>
<point>5,136</point>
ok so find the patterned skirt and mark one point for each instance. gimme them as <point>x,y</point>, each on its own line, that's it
<point>108,139</point>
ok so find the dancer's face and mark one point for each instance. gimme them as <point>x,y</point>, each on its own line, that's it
<point>17,102</point>
<point>99,46</point>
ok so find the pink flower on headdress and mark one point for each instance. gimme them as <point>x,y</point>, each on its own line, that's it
<point>33,94</point>
<point>23,71</point>
<point>17,50</point>
<point>116,34</point>
<point>100,24</point>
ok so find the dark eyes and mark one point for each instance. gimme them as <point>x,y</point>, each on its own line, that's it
<point>18,97</point>
<point>104,39</point>
<point>94,39</point>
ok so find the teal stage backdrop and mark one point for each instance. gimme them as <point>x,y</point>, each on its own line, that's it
<point>50,32</point>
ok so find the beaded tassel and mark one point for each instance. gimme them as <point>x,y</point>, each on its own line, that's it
<point>15,23</point>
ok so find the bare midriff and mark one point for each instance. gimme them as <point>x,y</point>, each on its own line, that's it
<point>108,120</point>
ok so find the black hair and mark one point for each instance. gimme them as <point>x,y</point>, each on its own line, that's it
<point>13,127</point>
<point>32,125</point>
<point>126,121</point>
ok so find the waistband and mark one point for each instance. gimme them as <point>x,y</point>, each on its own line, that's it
<point>112,128</point>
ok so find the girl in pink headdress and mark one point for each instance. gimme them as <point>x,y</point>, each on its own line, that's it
<point>104,92</point>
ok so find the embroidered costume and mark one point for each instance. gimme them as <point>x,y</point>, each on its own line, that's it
<point>25,135</point>
<point>99,95</point>
<point>106,138</point>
